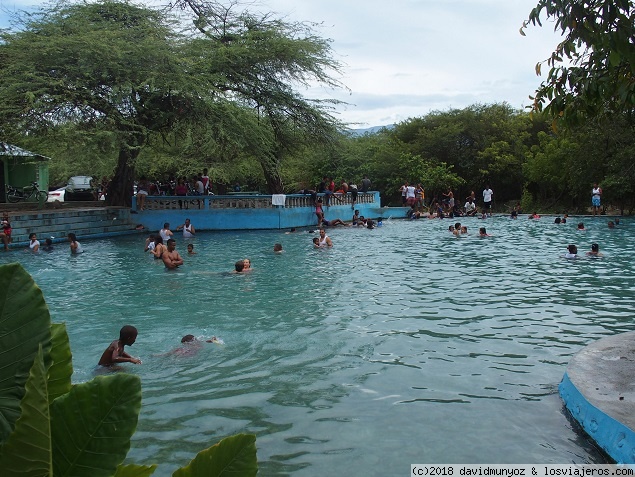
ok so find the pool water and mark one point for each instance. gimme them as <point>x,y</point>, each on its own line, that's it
<point>399,345</point>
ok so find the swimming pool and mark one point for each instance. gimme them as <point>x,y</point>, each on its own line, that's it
<point>400,345</point>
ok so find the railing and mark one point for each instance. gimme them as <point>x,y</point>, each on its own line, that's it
<point>246,201</point>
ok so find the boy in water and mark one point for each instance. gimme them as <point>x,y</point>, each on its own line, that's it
<point>115,352</point>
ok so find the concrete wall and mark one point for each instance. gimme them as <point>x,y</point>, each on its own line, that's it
<point>239,212</point>
<point>253,212</point>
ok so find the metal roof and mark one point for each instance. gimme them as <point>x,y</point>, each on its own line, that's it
<point>15,151</point>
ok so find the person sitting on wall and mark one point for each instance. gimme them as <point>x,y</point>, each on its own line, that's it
<point>470,207</point>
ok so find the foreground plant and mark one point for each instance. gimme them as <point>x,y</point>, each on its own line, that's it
<point>50,427</point>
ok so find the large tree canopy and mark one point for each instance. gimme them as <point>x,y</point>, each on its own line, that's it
<point>592,70</point>
<point>128,69</point>
<point>109,64</point>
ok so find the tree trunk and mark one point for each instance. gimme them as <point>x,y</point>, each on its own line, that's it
<point>272,175</point>
<point>121,187</point>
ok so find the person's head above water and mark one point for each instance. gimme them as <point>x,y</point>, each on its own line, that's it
<point>239,265</point>
<point>128,334</point>
<point>188,339</point>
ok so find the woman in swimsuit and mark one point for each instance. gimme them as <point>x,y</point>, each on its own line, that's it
<point>159,248</point>
<point>319,212</point>
<point>34,243</point>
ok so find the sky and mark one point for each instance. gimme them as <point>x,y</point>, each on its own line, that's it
<point>405,58</point>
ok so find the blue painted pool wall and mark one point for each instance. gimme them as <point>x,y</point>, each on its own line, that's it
<point>617,440</point>
<point>259,218</point>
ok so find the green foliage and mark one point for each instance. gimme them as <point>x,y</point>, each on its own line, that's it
<point>235,455</point>
<point>130,75</point>
<point>24,327</point>
<point>458,149</point>
<point>61,369</point>
<point>96,418</point>
<point>133,470</point>
<point>591,70</point>
<point>79,430</point>
<point>28,449</point>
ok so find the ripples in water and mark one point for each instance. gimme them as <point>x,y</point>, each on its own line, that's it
<point>400,345</point>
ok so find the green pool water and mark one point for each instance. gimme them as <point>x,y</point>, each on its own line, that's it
<point>400,345</point>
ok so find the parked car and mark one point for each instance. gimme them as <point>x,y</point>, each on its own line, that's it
<point>79,188</point>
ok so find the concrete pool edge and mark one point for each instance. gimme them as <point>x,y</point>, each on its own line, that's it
<point>597,389</point>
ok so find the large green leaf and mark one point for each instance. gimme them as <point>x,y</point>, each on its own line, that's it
<point>134,470</point>
<point>92,425</point>
<point>61,369</point>
<point>24,325</point>
<point>27,451</point>
<point>234,455</point>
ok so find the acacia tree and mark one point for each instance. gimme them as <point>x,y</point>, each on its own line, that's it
<point>105,65</point>
<point>260,62</point>
<point>115,66</point>
<point>592,70</point>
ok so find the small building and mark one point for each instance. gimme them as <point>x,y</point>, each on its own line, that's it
<point>19,168</point>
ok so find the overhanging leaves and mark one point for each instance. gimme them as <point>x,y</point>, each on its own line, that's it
<point>61,368</point>
<point>27,452</point>
<point>24,326</point>
<point>133,470</point>
<point>92,425</point>
<point>234,455</point>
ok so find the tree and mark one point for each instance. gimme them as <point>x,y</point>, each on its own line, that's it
<point>592,70</point>
<point>102,65</point>
<point>113,66</point>
<point>259,60</point>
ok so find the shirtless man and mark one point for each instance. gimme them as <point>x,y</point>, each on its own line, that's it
<point>115,353</point>
<point>171,258</point>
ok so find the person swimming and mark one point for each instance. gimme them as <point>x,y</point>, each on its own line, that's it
<point>595,251</point>
<point>572,251</point>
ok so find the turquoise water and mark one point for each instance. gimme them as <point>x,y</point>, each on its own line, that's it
<point>400,345</point>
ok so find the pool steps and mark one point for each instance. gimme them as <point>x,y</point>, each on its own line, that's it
<point>84,222</point>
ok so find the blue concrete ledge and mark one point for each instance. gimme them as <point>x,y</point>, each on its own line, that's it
<point>598,389</point>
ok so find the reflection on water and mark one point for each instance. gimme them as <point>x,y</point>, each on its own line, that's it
<point>400,345</point>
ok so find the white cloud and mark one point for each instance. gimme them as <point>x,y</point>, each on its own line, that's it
<point>410,57</point>
<point>423,55</point>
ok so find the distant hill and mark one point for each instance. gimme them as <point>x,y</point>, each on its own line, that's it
<point>372,130</point>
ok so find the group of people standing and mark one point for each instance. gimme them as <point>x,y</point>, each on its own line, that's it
<point>414,197</point>
<point>163,246</point>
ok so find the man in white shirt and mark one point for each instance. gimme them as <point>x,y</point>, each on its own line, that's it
<point>470,207</point>
<point>410,195</point>
<point>487,200</point>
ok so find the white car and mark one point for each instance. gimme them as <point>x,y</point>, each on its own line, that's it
<point>78,188</point>
<point>57,194</point>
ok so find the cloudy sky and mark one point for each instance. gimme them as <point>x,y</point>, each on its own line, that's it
<point>405,58</point>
